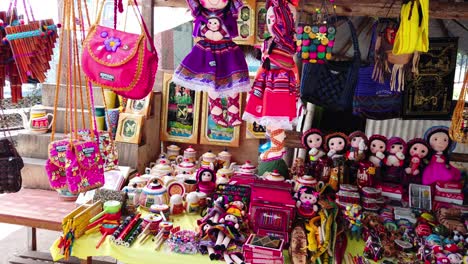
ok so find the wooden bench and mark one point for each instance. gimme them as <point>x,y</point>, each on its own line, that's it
<point>36,209</point>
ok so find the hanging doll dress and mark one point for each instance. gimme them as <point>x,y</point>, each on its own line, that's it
<point>218,67</point>
<point>273,97</point>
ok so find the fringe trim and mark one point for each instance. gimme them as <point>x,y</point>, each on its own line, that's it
<point>278,122</point>
<point>238,87</point>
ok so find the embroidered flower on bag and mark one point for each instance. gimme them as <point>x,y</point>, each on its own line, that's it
<point>112,44</point>
<point>321,36</point>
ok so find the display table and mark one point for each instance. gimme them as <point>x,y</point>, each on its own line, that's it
<point>85,246</point>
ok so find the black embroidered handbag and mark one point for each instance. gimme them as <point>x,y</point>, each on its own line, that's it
<point>10,167</point>
<point>331,85</point>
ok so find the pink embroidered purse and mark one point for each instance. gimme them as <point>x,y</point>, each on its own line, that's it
<point>56,165</point>
<point>120,61</point>
<point>86,170</point>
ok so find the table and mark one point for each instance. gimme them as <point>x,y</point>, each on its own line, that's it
<point>34,209</point>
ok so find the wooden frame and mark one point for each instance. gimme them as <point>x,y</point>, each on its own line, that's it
<point>140,107</point>
<point>246,23</point>
<point>129,129</point>
<point>181,126</point>
<point>253,130</point>
<point>209,129</point>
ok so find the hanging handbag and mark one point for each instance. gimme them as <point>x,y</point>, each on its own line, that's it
<point>331,85</point>
<point>315,40</point>
<point>373,99</point>
<point>10,163</point>
<point>120,61</point>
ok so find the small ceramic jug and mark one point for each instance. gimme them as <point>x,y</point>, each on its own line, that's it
<point>38,121</point>
<point>192,206</point>
<point>224,175</point>
<point>176,204</point>
<point>247,169</point>
<point>186,167</point>
<point>161,169</point>
<point>273,176</point>
<point>153,193</point>
<point>208,160</point>
<point>224,158</point>
<point>173,152</point>
<point>190,154</point>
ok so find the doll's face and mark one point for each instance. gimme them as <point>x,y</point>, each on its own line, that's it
<point>213,24</point>
<point>439,141</point>
<point>418,150</point>
<point>231,218</point>
<point>355,142</point>
<point>336,143</point>
<point>238,204</point>
<point>206,176</point>
<point>214,4</point>
<point>377,146</point>
<point>308,198</point>
<point>270,19</point>
<point>395,148</point>
<point>314,141</point>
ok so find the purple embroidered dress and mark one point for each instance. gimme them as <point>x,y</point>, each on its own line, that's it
<point>218,67</point>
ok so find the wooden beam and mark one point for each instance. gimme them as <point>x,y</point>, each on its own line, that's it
<point>372,8</point>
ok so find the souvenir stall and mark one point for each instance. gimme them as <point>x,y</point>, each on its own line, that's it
<point>223,187</point>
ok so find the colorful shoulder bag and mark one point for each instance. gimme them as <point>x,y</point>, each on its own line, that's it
<point>119,60</point>
<point>315,41</point>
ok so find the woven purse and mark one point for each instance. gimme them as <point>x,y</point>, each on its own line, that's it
<point>331,85</point>
<point>10,167</point>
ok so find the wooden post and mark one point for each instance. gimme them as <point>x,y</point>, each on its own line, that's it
<point>32,239</point>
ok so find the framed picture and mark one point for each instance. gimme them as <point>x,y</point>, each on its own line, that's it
<point>213,134</point>
<point>246,23</point>
<point>129,128</point>
<point>180,113</point>
<point>255,130</point>
<point>140,107</point>
<point>261,29</point>
<point>428,95</point>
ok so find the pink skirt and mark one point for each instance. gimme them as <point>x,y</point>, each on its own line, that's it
<point>272,99</point>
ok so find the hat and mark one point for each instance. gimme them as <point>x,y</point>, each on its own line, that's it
<point>414,141</point>
<point>444,129</point>
<point>378,137</point>
<point>396,140</point>
<point>307,134</point>
<point>360,134</point>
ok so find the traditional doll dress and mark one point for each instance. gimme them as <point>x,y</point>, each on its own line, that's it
<point>438,171</point>
<point>273,97</point>
<point>218,67</point>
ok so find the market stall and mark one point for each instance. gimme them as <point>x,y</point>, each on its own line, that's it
<point>247,161</point>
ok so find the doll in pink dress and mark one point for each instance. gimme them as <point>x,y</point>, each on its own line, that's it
<point>439,168</point>
<point>418,150</point>
<point>206,181</point>
<point>273,97</point>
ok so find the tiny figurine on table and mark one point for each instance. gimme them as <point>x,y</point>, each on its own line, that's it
<point>336,145</point>
<point>439,168</point>
<point>312,141</point>
<point>307,201</point>
<point>206,181</point>
<point>418,150</point>
<point>396,149</point>
<point>353,215</point>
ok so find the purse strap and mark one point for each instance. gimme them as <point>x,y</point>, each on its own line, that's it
<point>354,40</point>
<point>142,22</point>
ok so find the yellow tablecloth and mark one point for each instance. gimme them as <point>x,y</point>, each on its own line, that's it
<point>85,247</point>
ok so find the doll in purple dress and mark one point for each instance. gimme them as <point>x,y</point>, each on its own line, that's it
<point>439,168</point>
<point>216,64</point>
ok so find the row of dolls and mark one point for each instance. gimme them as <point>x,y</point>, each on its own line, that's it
<point>420,160</point>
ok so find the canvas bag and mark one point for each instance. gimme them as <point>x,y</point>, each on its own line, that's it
<point>373,99</point>
<point>331,85</point>
<point>120,61</point>
<point>10,163</point>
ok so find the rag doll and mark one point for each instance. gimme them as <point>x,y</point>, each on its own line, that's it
<point>216,64</point>
<point>312,141</point>
<point>439,168</point>
<point>228,230</point>
<point>307,201</point>
<point>357,151</point>
<point>394,172</point>
<point>214,212</point>
<point>206,181</point>
<point>418,151</point>
<point>236,208</point>
<point>353,215</point>
<point>272,99</point>
<point>377,147</point>
<point>207,236</point>
<point>336,146</point>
